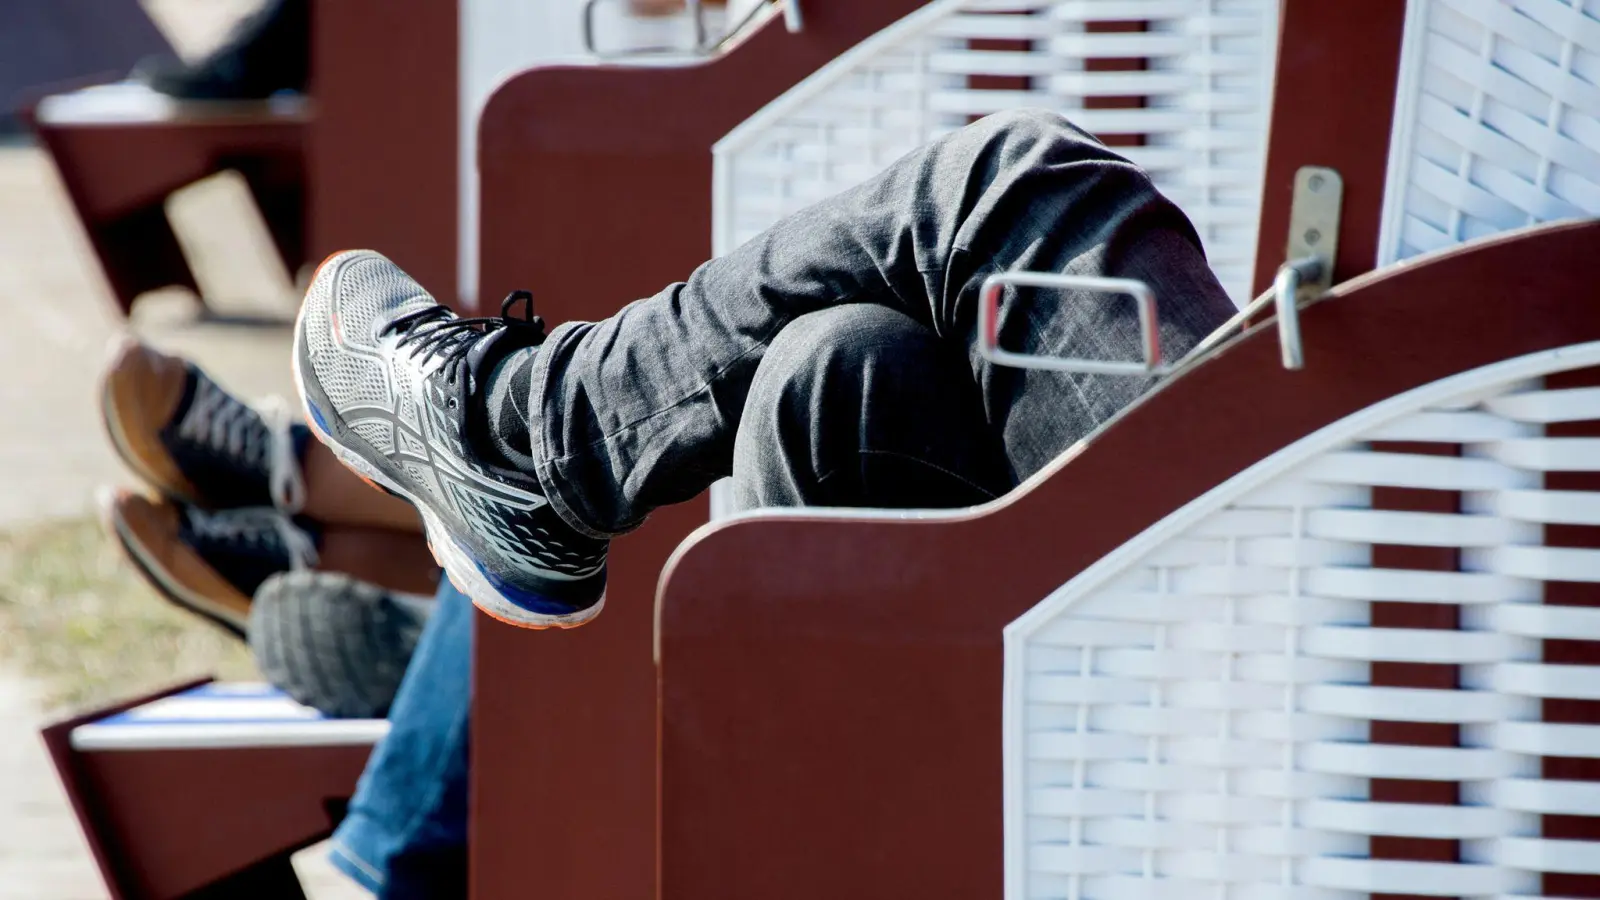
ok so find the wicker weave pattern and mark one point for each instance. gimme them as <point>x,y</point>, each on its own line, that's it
<point>1204,91</point>
<point>1194,716</point>
<point>1497,123</point>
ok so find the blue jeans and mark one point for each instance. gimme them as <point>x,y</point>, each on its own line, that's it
<point>405,836</point>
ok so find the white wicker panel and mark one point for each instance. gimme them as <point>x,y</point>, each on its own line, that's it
<point>1206,92</point>
<point>1189,717</point>
<point>1497,121</point>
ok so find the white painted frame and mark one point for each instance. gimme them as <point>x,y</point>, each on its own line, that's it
<point>1414,59</point>
<point>1466,385</point>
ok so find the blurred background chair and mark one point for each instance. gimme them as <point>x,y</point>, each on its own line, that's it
<point>204,791</point>
<point>322,168</point>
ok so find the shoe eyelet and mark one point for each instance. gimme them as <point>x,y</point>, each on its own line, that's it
<point>451,403</point>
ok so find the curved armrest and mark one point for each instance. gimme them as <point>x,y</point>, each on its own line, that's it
<point>831,682</point>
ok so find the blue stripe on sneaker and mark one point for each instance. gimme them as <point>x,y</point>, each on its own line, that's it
<point>534,603</point>
<point>316,416</point>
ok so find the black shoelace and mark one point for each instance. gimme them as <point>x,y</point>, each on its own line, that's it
<point>436,331</point>
<point>259,532</point>
<point>247,439</point>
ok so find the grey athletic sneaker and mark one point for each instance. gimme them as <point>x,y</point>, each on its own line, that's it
<point>389,380</point>
<point>335,643</point>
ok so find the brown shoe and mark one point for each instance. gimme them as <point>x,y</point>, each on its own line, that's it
<point>209,563</point>
<point>193,441</point>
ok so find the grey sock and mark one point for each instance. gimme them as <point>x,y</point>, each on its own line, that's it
<point>508,438</point>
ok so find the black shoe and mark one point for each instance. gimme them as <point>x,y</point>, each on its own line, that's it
<point>209,563</point>
<point>335,643</point>
<point>193,441</point>
<point>266,53</point>
<point>388,377</point>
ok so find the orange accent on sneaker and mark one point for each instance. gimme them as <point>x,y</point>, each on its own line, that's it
<point>527,627</point>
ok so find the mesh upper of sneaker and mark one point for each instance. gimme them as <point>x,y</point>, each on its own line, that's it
<point>386,398</point>
<point>372,292</point>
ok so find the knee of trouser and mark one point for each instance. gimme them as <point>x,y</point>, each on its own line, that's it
<point>811,394</point>
<point>1027,127</point>
<point>830,354</point>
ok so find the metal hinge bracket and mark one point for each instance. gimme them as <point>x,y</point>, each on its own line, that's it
<point>1312,251</point>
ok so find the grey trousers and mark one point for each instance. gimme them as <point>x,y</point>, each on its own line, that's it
<point>833,358</point>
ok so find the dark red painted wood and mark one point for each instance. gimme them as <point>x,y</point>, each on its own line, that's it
<point>119,174</point>
<point>383,157</point>
<point>1332,105</point>
<point>164,823</point>
<point>373,164</point>
<point>831,688</point>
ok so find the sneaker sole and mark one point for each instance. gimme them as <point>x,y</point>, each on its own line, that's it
<point>171,590</point>
<point>458,563</point>
<point>333,643</point>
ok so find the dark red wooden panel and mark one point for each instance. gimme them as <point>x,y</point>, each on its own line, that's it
<point>382,158</point>
<point>831,688</point>
<point>1332,105</point>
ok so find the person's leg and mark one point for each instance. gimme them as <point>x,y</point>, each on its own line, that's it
<point>640,410</point>
<point>525,455</point>
<point>905,428</point>
<point>861,406</point>
<point>405,836</point>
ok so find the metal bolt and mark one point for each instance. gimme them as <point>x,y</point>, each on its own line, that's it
<point>1315,183</point>
<point>1312,236</point>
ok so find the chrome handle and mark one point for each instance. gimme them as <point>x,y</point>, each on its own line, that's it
<point>1143,297</point>
<point>1313,247</point>
<point>793,20</point>
<point>1285,302</point>
<point>697,17</point>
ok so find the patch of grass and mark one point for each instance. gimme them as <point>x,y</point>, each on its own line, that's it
<point>75,615</point>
